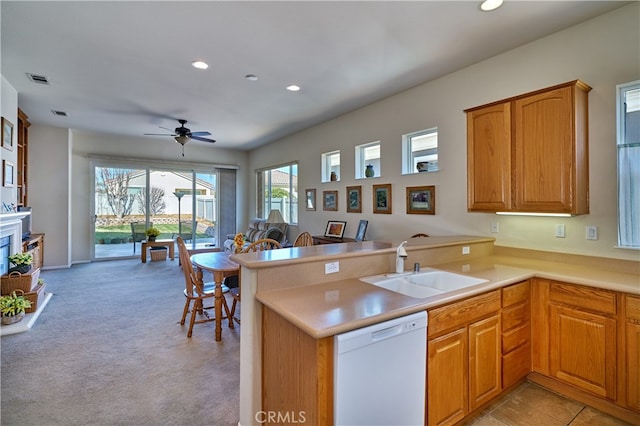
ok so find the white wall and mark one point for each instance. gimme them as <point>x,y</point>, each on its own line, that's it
<point>9,110</point>
<point>602,52</point>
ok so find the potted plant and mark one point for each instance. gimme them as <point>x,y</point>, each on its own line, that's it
<point>21,261</point>
<point>13,306</point>
<point>152,233</point>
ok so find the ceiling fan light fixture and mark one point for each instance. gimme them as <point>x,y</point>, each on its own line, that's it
<point>182,139</point>
<point>201,65</point>
<point>489,5</point>
<point>251,77</point>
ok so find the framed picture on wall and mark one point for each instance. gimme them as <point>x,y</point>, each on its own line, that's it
<point>382,198</point>
<point>330,201</point>
<point>7,134</point>
<point>421,200</point>
<point>354,199</point>
<point>7,173</point>
<point>310,196</point>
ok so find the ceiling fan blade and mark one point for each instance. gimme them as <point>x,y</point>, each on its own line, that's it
<point>159,134</point>
<point>166,128</point>
<point>198,138</point>
<point>200,134</point>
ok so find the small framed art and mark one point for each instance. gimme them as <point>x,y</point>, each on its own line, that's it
<point>362,229</point>
<point>330,201</point>
<point>7,173</point>
<point>7,134</point>
<point>335,229</point>
<point>354,199</point>
<point>311,199</point>
<point>382,198</point>
<point>421,200</point>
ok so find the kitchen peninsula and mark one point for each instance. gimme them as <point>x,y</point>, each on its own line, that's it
<point>317,306</point>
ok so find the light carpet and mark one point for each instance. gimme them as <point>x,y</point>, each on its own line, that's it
<point>109,350</point>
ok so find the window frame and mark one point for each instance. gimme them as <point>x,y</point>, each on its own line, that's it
<point>327,167</point>
<point>361,162</point>
<point>409,158</point>
<point>628,222</point>
<point>264,178</point>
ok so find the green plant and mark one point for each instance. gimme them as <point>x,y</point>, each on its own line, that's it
<point>18,259</point>
<point>152,232</point>
<point>12,304</point>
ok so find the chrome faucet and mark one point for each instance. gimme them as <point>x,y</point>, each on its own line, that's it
<point>416,267</point>
<point>401,255</point>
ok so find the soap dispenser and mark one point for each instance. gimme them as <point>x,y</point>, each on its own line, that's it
<point>401,255</point>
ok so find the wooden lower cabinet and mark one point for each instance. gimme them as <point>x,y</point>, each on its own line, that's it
<point>464,364</point>
<point>583,350</point>
<point>632,334</point>
<point>516,333</point>
<point>447,372</point>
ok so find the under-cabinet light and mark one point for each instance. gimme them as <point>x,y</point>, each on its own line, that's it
<point>534,214</point>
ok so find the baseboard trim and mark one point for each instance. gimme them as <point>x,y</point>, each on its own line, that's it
<point>586,398</point>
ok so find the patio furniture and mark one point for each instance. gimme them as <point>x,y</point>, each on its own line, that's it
<point>185,230</point>
<point>138,234</point>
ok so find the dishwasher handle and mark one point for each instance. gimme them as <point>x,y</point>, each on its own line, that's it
<point>386,333</point>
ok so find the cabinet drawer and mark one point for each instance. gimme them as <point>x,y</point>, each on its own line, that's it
<point>516,365</point>
<point>515,316</point>
<point>632,306</point>
<point>515,293</point>
<point>516,337</point>
<point>588,298</point>
<point>461,313</point>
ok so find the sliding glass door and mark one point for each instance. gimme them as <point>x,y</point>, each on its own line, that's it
<point>130,200</point>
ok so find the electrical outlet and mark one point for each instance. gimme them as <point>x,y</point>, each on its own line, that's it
<point>332,267</point>
<point>495,227</point>
<point>466,250</point>
<point>560,231</point>
<point>591,232</point>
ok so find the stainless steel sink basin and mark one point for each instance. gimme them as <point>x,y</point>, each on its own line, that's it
<point>427,283</point>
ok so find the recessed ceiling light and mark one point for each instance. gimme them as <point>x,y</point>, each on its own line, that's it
<point>489,5</point>
<point>200,65</point>
<point>293,88</point>
<point>251,77</point>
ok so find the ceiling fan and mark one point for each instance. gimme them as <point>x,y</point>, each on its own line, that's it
<point>182,135</point>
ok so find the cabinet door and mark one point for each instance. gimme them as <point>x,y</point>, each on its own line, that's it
<point>485,361</point>
<point>544,152</point>
<point>583,350</point>
<point>633,365</point>
<point>447,371</point>
<point>489,158</point>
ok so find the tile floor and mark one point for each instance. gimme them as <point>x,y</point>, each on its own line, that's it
<point>529,404</point>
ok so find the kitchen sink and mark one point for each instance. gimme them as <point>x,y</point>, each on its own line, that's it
<point>427,283</point>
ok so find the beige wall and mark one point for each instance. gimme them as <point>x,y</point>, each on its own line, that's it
<point>602,52</point>
<point>9,110</point>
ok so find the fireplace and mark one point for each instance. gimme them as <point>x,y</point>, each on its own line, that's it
<point>10,236</point>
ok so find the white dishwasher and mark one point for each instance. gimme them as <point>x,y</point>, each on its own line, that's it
<point>380,372</point>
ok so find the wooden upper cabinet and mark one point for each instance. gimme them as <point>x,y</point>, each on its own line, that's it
<point>489,158</point>
<point>530,153</point>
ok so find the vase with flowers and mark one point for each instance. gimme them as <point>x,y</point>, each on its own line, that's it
<point>152,233</point>
<point>238,242</point>
<point>21,262</point>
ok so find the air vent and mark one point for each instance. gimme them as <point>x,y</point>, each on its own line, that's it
<point>59,113</point>
<point>41,79</point>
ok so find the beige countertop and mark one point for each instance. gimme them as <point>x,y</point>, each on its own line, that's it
<point>331,308</point>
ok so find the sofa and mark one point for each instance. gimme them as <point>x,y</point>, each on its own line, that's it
<point>258,229</point>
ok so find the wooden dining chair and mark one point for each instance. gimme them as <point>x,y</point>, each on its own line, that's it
<point>197,291</point>
<point>420,234</point>
<point>303,239</point>
<point>258,245</point>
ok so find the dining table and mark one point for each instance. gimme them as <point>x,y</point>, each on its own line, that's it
<point>219,264</point>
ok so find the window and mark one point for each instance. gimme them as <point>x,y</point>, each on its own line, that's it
<point>330,164</point>
<point>420,151</point>
<point>629,165</point>
<point>368,154</point>
<point>278,190</point>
